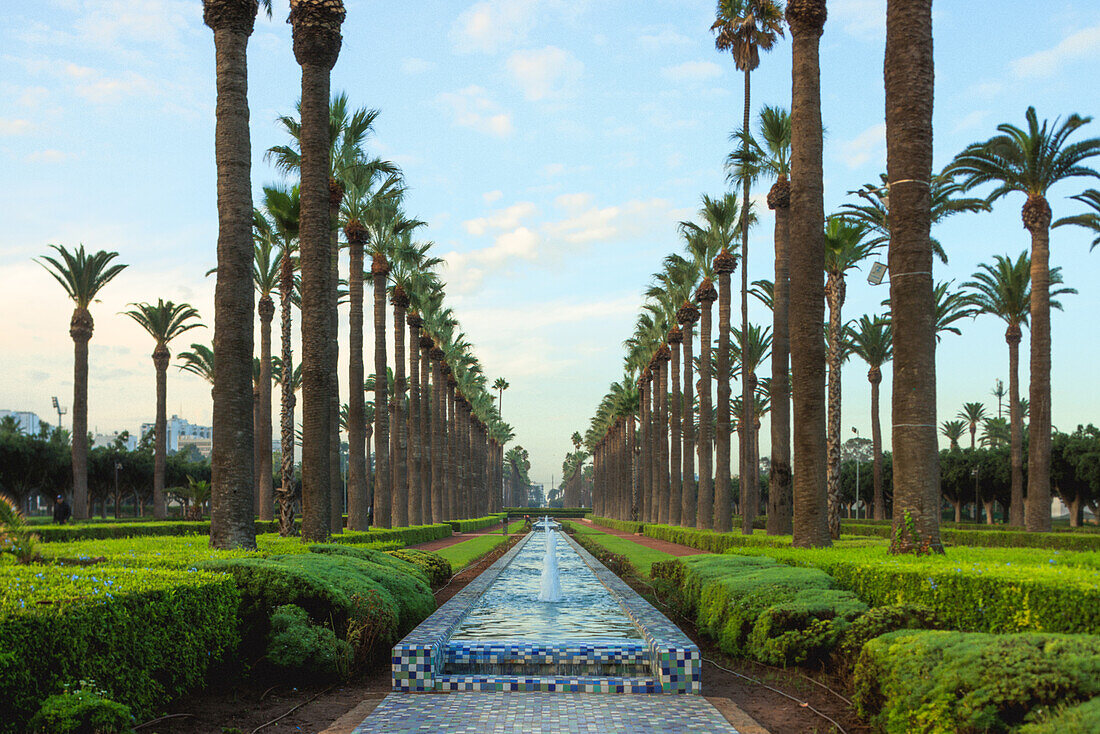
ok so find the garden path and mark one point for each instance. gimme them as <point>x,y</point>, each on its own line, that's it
<point>674,549</point>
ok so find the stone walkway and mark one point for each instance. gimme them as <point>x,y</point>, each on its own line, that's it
<point>557,713</point>
<point>674,549</point>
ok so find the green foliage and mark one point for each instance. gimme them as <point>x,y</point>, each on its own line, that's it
<point>305,651</point>
<point>637,556</point>
<point>554,512</point>
<point>102,530</point>
<point>15,535</point>
<point>708,540</point>
<point>477,523</point>
<point>1084,717</point>
<point>166,629</point>
<point>461,555</point>
<point>414,535</point>
<point>953,681</point>
<point>626,526</point>
<point>435,567</point>
<point>879,621</point>
<point>991,538</point>
<point>363,554</point>
<point>87,710</point>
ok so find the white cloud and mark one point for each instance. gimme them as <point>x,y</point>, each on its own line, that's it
<point>492,196</point>
<point>550,170</point>
<point>583,226</point>
<point>472,108</point>
<point>573,202</point>
<point>413,65</point>
<point>544,73</point>
<point>490,25</point>
<point>9,126</point>
<point>507,218</point>
<point>663,38</point>
<point>871,143</point>
<point>48,156</point>
<point>1083,44</point>
<point>692,71</point>
<point>865,19</point>
<point>464,272</point>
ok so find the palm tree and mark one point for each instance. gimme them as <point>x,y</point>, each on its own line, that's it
<point>972,414</point>
<point>953,431</point>
<point>500,385</point>
<point>164,322</point>
<point>1003,289</point>
<point>82,275</point>
<point>845,247</point>
<point>1088,220</point>
<point>872,341</point>
<point>807,314</point>
<point>773,160</point>
<point>231,507</point>
<point>199,361</point>
<point>1030,162</point>
<point>266,267</point>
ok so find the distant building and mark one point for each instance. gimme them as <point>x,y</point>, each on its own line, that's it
<point>108,439</point>
<point>181,434</point>
<point>28,422</point>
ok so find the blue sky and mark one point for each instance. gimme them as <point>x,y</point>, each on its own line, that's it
<point>551,145</point>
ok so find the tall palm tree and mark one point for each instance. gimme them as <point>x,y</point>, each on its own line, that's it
<point>807,232</point>
<point>82,275</point>
<point>164,322</point>
<point>909,90</point>
<point>953,431</point>
<point>1030,161</point>
<point>872,341</point>
<point>266,268</point>
<point>772,160</point>
<point>1088,220</point>
<point>1003,289</point>
<point>500,385</point>
<point>973,414</point>
<point>231,503</point>
<point>316,33</point>
<point>846,246</point>
<point>283,206</point>
<point>744,28</point>
<point>721,220</point>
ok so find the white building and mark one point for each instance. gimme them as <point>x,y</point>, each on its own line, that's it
<point>29,423</point>
<point>182,433</point>
<point>108,439</point>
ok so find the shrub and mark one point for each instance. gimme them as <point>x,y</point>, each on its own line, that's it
<point>986,536</point>
<point>477,523</point>
<point>372,555</point>
<point>144,635</point>
<point>1083,717</point>
<point>879,621</point>
<point>956,681</point>
<point>103,530</point>
<point>437,568</point>
<point>406,536</point>
<point>708,540</point>
<point>625,526</point>
<point>303,650</point>
<point>548,511</point>
<point>86,710</point>
<point>804,629</point>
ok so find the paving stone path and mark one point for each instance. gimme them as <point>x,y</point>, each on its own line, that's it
<point>559,713</point>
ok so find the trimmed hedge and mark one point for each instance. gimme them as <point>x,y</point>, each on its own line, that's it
<point>626,526</point>
<point>761,609</point>
<point>104,530</point>
<point>414,535</point>
<point>548,511</point>
<point>435,567</point>
<point>143,635</point>
<point>941,682</point>
<point>708,540</point>
<point>989,538</point>
<point>1084,717</point>
<point>477,523</point>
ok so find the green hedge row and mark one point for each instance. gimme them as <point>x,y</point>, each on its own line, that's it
<point>708,540</point>
<point>414,535</point>
<point>476,523</point>
<point>989,538</point>
<point>626,526</point>
<point>942,682</point>
<point>548,511</point>
<point>102,531</point>
<point>143,635</point>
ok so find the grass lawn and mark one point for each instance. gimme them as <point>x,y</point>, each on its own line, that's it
<point>640,557</point>
<point>463,554</point>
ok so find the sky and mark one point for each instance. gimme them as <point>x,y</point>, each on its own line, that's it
<point>551,145</point>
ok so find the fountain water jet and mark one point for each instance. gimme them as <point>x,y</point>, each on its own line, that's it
<point>550,590</point>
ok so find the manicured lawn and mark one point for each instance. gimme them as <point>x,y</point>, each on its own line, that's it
<point>640,557</point>
<point>463,554</point>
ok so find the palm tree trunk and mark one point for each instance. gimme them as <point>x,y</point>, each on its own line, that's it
<point>779,476</point>
<point>439,406</point>
<point>358,507</point>
<point>909,90</point>
<point>287,399</point>
<point>231,519</point>
<point>160,440</point>
<point>676,498</point>
<point>1015,421</point>
<point>723,491</point>
<point>425,430</point>
<point>402,500</point>
<point>644,456</point>
<point>705,508</point>
<point>266,308</point>
<point>807,313</point>
<point>874,375</point>
<point>454,509</point>
<point>687,419</point>
<point>834,294</point>
<point>664,492</point>
<point>383,499</point>
<point>336,474</point>
<point>748,401</point>
<point>635,470</point>
<point>255,447</point>
<point>1037,213</point>
<point>416,509</point>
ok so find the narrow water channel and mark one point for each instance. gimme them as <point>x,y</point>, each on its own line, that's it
<point>510,608</point>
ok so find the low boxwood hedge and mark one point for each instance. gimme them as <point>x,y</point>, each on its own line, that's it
<point>548,511</point>
<point>476,523</point>
<point>986,537</point>
<point>940,682</point>
<point>625,526</point>
<point>708,540</point>
<point>435,567</point>
<point>135,529</point>
<point>414,535</point>
<point>143,635</point>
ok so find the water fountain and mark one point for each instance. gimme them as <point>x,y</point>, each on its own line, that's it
<point>550,590</point>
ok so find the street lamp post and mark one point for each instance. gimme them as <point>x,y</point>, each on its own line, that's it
<point>856,432</point>
<point>977,511</point>
<point>118,465</point>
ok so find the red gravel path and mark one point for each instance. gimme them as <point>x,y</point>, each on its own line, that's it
<point>433,545</point>
<point>674,549</point>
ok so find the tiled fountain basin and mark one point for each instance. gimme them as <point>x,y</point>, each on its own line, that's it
<point>664,660</point>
